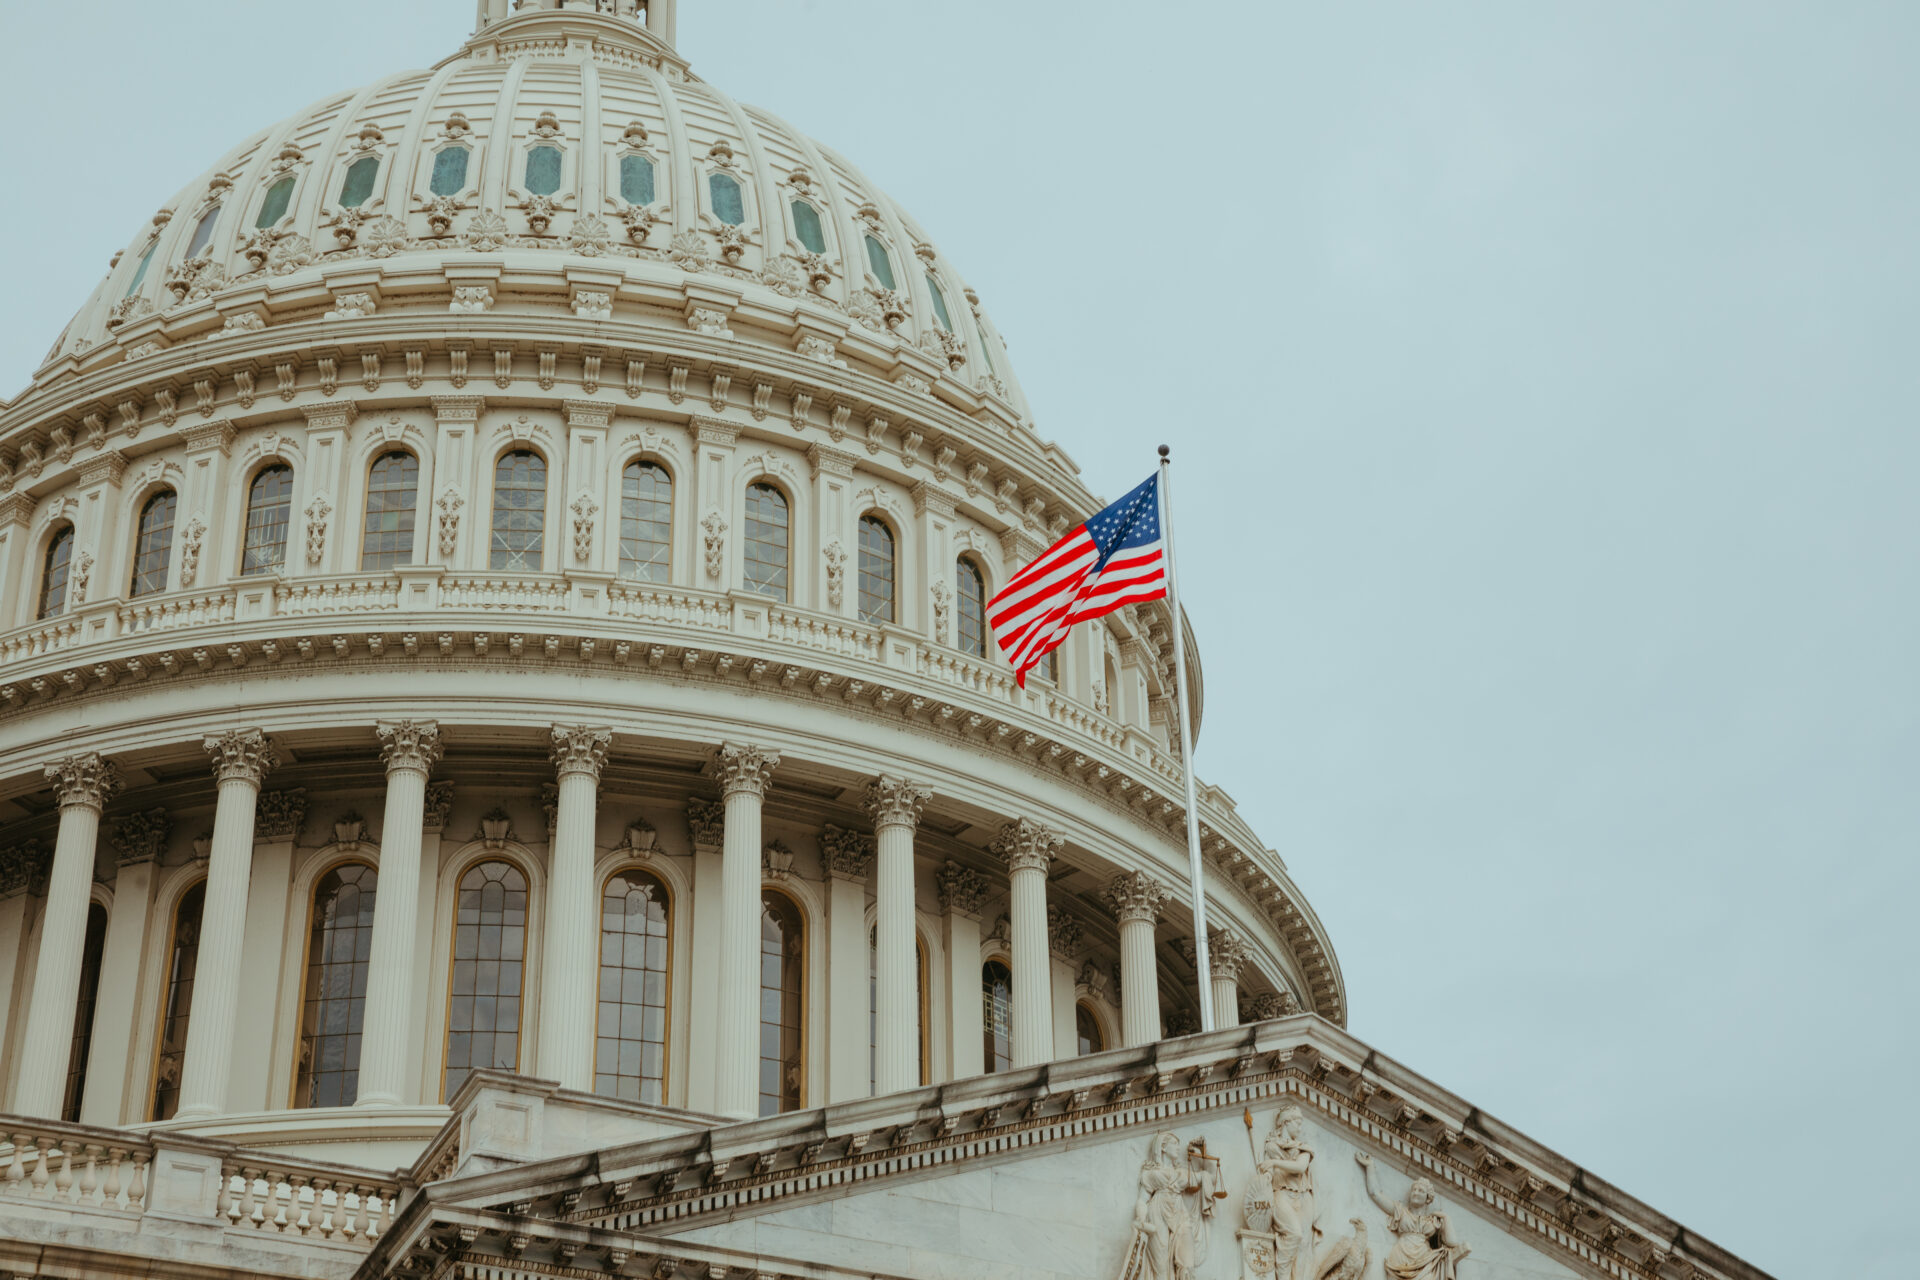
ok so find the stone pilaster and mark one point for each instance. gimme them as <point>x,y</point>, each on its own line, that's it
<point>568,981</point>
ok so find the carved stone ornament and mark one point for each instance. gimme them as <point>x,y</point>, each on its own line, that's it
<point>1424,1244</point>
<point>776,861</point>
<point>1027,846</point>
<point>580,748</point>
<point>487,233</point>
<point>710,321</point>
<point>279,815</point>
<point>742,768</point>
<point>438,805</point>
<point>689,251</point>
<point>814,346</point>
<point>896,802</point>
<point>351,306</point>
<point>963,891</point>
<point>317,512</point>
<point>190,539</point>
<point>590,237</point>
<point>79,574</point>
<point>409,744</point>
<point>496,828</point>
<point>142,837</point>
<point>593,304</point>
<point>1173,1211</point>
<point>1280,1213</point>
<point>706,822</point>
<point>550,805</point>
<point>1064,933</point>
<point>942,596</point>
<point>714,531</point>
<point>242,755</point>
<point>349,829</point>
<point>1136,896</point>
<point>471,299</point>
<point>584,509</point>
<point>1227,954</point>
<point>19,865</point>
<point>836,558</point>
<point>785,277</point>
<point>639,839</point>
<point>1258,1006</point>
<point>449,502</point>
<point>86,779</point>
<point>848,855</point>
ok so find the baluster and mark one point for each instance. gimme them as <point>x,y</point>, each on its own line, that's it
<point>276,1184</point>
<point>250,1211</point>
<point>63,1180</point>
<point>230,1196</point>
<point>302,1219</point>
<point>39,1169</point>
<point>90,1176</point>
<point>348,1227</point>
<point>114,1156</point>
<point>137,1189</point>
<point>324,1206</point>
<point>16,1170</point>
<point>377,1216</point>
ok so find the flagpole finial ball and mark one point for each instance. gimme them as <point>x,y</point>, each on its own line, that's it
<point>1163,451</point>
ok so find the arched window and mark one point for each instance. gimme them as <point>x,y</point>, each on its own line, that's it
<point>1048,668</point>
<point>636,179</point>
<point>881,263</point>
<point>727,205</point>
<point>873,1009</point>
<point>782,979</point>
<point>996,1015</point>
<point>358,184</point>
<point>876,570</point>
<point>766,541</point>
<point>630,1045</point>
<point>449,171</point>
<point>970,611</point>
<point>543,171</point>
<point>339,942</point>
<point>53,573</point>
<point>392,490</point>
<point>489,958</point>
<point>939,303</point>
<point>646,522</point>
<point>96,942</point>
<point>183,957</point>
<point>519,510</point>
<point>269,508</point>
<point>140,272</point>
<point>274,207</point>
<point>153,544</point>
<point>1087,1029</point>
<point>806,226</point>
<point>202,233</point>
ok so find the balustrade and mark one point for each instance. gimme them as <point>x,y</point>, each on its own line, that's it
<point>336,595</point>
<point>535,593</point>
<point>319,1202</point>
<point>65,1164</point>
<point>180,609</point>
<point>675,608</point>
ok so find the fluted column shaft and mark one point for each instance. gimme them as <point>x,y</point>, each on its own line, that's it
<point>895,804</point>
<point>1136,900</point>
<point>1226,1002</point>
<point>410,749</point>
<point>569,978</point>
<point>1028,848</point>
<point>83,783</point>
<point>241,759</point>
<point>744,773</point>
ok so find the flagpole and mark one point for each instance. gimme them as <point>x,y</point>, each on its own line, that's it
<point>1195,869</point>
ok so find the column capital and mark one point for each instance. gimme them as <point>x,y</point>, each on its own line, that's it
<point>243,754</point>
<point>18,865</point>
<point>579,748</point>
<point>279,815</point>
<point>737,767</point>
<point>1136,895</point>
<point>1260,1006</point>
<point>1027,846</point>
<point>85,779</point>
<point>409,745</point>
<point>142,837</point>
<point>1064,934</point>
<point>707,821</point>
<point>847,855</point>
<point>896,802</point>
<point>439,803</point>
<point>1227,953</point>
<point>962,890</point>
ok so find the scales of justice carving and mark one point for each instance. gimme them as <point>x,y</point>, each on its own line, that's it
<point>1280,1237</point>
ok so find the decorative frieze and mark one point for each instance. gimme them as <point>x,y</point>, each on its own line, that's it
<point>141,837</point>
<point>279,815</point>
<point>738,767</point>
<point>85,779</point>
<point>847,855</point>
<point>241,755</point>
<point>895,801</point>
<point>580,749</point>
<point>409,745</point>
<point>1026,845</point>
<point>1136,896</point>
<point>963,891</point>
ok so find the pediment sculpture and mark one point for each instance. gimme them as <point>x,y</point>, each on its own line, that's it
<point>1173,1212</point>
<point>1424,1245</point>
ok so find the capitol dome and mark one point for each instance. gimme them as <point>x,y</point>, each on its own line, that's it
<point>494,581</point>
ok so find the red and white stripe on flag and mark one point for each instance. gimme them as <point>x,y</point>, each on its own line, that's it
<point>1118,557</point>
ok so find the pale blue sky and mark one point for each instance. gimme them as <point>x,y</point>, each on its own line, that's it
<point>1543,389</point>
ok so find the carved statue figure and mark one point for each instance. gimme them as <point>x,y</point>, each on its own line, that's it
<point>1173,1213</point>
<point>1424,1246</point>
<point>1286,1162</point>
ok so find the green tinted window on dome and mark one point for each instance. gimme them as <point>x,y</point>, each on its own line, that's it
<point>882,265</point>
<point>274,207</point>
<point>726,199</point>
<point>806,225</point>
<point>359,182</point>
<point>543,171</point>
<point>140,272</point>
<point>636,179</point>
<point>449,171</point>
<point>202,232</point>
<point>986,342</point>
<point>939,303</point>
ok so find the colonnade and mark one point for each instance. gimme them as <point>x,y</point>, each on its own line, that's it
<point>241,758</point>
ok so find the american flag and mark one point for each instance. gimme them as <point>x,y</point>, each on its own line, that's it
<point>1117,557</point>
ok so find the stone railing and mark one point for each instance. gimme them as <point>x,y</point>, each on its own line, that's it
<point>67,1164</point>
<point>261,1192</point>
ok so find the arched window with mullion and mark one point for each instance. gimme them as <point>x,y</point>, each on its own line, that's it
<point>183,959</point>
<point>489,961</point>
<point>1089,1036</point>
<point>767,541</point>
<point>153,544</point>
<point>55,564</point>
<point>970,610</point>
<point>339,945</point>
<point>393,486</point>
<point>78,1055</point>
<point>996,1015</point>
<point>269,511</point>
<point>646,522</point>
<point>782,981</point>
<point>519,511</point>
<point>630,1045</point>
<point>876,570</point>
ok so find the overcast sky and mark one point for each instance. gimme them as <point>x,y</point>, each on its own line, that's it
<point>1541,380</point>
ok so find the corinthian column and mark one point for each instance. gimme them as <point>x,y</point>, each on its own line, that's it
<point>82,784</point>
<point>568,976</point>
<point>1226,956</point>
<point>895,804</point>
<point>410,748</point>
<point>1136,900</point>
<point>743,773</point>
<point>1028,847</point>
<point>241,758</point>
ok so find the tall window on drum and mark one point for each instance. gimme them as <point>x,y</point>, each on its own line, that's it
<point>54,567</point>
<point>489,959</point>
<point>153,544</point>
<point>876,570</point>
<point>393,485</point>
<point>519,511</point>
<point>996,1015</point>
<point>339,943</point>
<point>768,527</point>
<point>77,1056</point>
<point>630,1044</point>
<point>269,508</point>
<point>782,979</point>
<point>183,959</point>
<point>646,522</point>
<point>970,609</point>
